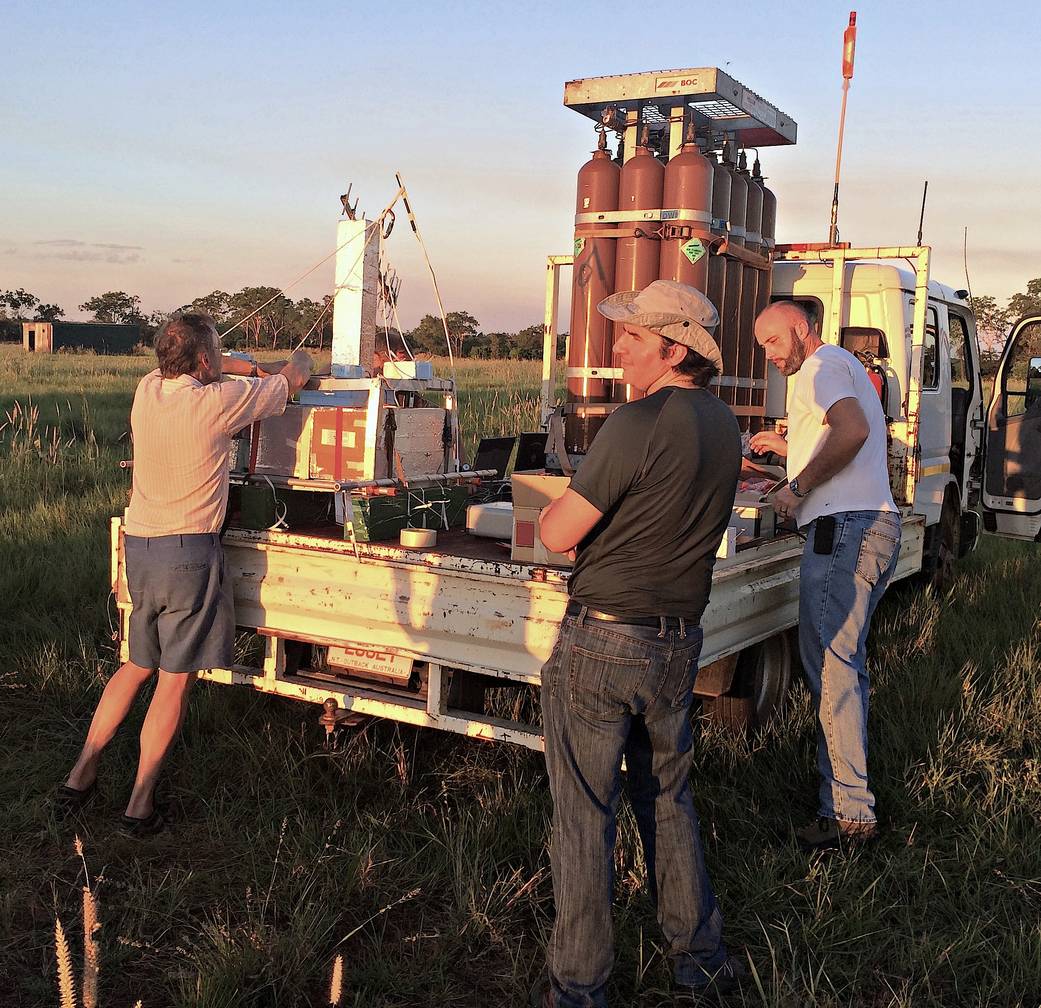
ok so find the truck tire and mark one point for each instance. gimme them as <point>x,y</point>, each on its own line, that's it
<point>759,688</point>
<point>939,560</point>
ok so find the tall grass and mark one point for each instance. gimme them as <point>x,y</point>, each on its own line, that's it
<point>420,858</point>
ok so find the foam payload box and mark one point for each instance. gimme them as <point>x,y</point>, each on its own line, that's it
<point>532,491</point>
<point>348,443</point>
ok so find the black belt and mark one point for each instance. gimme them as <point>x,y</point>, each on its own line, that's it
<point>575,609</point>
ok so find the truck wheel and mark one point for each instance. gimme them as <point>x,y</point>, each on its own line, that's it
<point>938,565</point>
<point>759,689</point>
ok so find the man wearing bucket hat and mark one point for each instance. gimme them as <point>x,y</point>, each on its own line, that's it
<point>645,514</point>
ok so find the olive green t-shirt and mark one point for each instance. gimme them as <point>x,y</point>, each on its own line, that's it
<point>663,470</point>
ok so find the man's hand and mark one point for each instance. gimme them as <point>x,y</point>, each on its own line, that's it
<point>785,503</point>
<point>768,441</point>
<point>298,370</point>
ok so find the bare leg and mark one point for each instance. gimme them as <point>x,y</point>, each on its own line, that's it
<point>162,723</point>
<point>113,707</point>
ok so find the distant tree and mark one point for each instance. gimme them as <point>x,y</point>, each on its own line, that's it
<point>1025,303</point>
<point>429,335</point>
<point>267,313</point>
<point>527,344</point>
<point>49,312</point>
<point>499,345</point>
<point>114,306</point>
<point>992,323</point>
<point>314,319</point>
<point>217,305</point>
<point>18,304</point>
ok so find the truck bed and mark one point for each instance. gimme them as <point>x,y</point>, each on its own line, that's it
<point>463,609</point>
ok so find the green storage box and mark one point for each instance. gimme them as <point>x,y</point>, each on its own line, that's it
<point>381,518</point>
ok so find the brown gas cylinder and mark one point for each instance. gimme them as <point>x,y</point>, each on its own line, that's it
<point>688,187</point>
<point>593,280</point>
<point>636,259</point>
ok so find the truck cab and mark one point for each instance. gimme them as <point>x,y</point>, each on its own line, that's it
<point>932,395</point>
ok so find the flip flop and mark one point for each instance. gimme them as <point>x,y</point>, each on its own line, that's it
<point>68,800</point>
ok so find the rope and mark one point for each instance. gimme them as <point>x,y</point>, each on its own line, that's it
<point>437,293</point>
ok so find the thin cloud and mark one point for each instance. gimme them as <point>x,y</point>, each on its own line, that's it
<point>94,255</point>
<point>76,243</point>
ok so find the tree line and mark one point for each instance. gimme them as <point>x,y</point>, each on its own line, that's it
<point>258,318</point>
<point>264,318</point>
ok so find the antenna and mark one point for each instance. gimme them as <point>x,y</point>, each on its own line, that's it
<point>921,219</point>
<point>849,45</point>
<point>965,258</point>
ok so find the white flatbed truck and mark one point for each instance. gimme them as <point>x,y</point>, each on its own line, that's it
<point>420,635</point>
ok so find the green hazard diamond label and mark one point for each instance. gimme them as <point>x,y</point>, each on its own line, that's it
<point>580,243</point>
<point>693,250</point>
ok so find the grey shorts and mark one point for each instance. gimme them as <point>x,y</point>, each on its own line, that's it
<point>183,618</point>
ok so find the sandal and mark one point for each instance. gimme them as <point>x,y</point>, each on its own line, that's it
<point>68,800</point>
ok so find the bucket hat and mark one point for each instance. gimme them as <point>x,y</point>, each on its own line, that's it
<point>676,310</point>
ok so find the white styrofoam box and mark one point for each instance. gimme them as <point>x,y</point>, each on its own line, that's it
<point>493,520</point>
<point>408,369</point>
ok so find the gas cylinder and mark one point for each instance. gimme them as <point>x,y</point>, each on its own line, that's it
<point>717,265</point>
<point>763,288</point>
<point>593,280</point>
<point>636,259</point>
<point>688,187</point>
<point>730,320</point>
<point>749,285</point>
<point>769,228</point>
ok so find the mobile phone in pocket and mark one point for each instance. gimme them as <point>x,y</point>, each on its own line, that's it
<point>824,535</point>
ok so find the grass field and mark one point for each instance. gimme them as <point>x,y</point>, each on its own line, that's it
<point>421,857</point>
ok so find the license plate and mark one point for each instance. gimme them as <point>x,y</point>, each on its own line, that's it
<point>367,658</point>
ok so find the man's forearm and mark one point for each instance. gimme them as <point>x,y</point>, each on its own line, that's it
<point>236,365</point>
<point>837,452</point>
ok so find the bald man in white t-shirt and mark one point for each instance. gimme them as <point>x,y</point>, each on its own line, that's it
<point>838,493</point>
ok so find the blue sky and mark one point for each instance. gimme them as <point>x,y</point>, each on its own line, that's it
<point>171,150</point>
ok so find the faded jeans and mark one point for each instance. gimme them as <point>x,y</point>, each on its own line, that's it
<point>608,690</point>
<point>838,595</point>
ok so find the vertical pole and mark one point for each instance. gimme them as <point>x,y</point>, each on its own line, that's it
<point>849,45</point>
<point>833,231</point>
<point>914,374</point>
<point>549,332</point>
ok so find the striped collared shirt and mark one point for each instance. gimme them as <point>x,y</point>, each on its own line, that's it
<point>182,434</point>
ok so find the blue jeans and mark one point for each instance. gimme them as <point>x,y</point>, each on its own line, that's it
<point>838,595</point>
<point>608,690</point>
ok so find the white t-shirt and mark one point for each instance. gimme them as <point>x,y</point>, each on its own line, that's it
<point>828,375</point>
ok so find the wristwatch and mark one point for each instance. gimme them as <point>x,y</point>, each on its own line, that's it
<point>253,371</point>
<point>793,485</point>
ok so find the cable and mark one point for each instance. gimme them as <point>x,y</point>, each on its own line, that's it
<point>280,519</point>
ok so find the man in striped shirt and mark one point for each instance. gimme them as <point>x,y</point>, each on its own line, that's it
<point>182,422</point>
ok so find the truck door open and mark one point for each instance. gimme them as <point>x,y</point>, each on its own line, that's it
<point>1012,477</point>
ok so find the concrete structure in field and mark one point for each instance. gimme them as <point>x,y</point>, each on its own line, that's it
<point>101,337</point>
